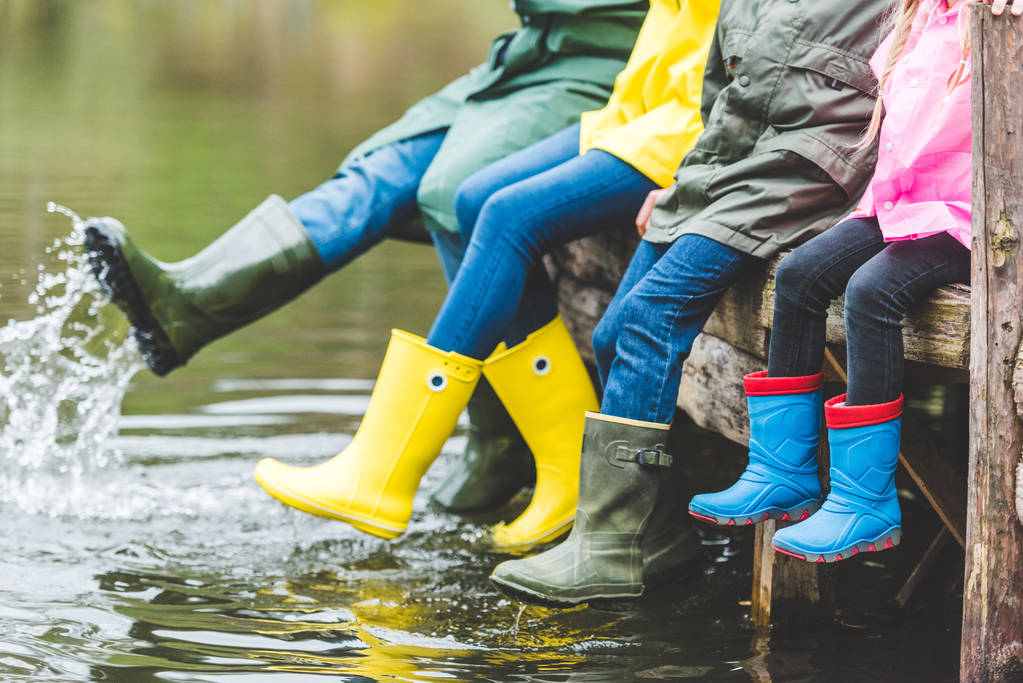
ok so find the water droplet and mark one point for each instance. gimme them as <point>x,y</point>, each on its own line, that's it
<point>65,373</point>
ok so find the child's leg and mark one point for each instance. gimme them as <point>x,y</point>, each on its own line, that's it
<point>629,531</point>
<point>658,321</point>
<point>364,202</point>
<point>784,403</point>
<point>807,281</point>
<point>608,329</point>
<point>877,299</point>
<point>862,512</point>
<point>501,273</point>
<point>496,462</point>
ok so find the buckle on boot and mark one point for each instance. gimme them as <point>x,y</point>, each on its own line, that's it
<point>645,457</point>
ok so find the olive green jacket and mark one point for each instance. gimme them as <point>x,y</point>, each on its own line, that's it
<point>581,43</point>
<point>787,93</point>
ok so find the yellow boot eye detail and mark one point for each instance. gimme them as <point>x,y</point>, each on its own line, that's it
<point>371,484</point>
<point>437,381</point>
<point>549,409</point>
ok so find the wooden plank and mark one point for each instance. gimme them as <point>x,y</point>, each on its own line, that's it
<point>737,316</point>
<point>581,307</point>
<point>802,592</point>
<point>923,566</point>
<point>992,644</point>
<point>711,392</point>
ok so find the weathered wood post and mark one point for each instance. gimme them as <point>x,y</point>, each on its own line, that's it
<point>992,645</point>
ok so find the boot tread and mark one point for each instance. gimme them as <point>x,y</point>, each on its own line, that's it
<point>111,269</point>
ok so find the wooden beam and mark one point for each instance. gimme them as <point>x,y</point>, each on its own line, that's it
<point>944,489</point>
<point>763,575</point>
<point>737,316</point>
<point>923,566</point>
<point>992,645</point>
<point>711,392</point>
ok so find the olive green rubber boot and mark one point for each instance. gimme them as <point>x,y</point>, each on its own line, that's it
<point>630,527</point>
<point>496,463</point>
<point>175,309</point>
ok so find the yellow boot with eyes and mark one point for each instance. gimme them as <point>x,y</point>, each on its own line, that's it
<point>547,391</point>
<point>415,405</point>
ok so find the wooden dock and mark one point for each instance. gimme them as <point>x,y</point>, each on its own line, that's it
<point>960,335</point>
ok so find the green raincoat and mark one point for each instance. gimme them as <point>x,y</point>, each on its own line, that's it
<point>786,95</point>
<point>536,81</point>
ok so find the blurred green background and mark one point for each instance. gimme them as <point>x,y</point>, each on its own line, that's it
<point>178,117</point>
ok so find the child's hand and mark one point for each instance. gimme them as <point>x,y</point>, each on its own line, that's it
<point>643,218</point>
<point>998,6</point>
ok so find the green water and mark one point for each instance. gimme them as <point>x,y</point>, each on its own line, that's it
<point>153,556</point>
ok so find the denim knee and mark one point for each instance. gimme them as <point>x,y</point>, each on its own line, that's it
<point>470,198</point>
<point>867,295</point>
<point>639,321</point>
<point>504,220</point>
<point>794,276</point>
<point>605,334</point>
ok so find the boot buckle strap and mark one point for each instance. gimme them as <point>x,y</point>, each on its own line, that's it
<point>646,457</point>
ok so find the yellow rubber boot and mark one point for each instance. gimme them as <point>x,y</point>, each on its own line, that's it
<point>414,408</point>
<point>547,391</point>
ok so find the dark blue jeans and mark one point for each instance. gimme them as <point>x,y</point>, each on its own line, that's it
<point>367,200</point>
<point>647,332</point>
<point>512,213</point>
<point>882,281</point>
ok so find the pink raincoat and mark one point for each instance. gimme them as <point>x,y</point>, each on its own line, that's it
<point>923,180</point>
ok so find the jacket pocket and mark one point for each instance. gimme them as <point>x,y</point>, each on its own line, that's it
<point>734,46</point>
<point>819,111</point>
<point>838,68</point>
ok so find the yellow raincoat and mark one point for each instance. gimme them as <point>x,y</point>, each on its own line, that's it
<point>653,117</point>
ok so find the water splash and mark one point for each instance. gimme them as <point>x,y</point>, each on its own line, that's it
<point>62,377</point>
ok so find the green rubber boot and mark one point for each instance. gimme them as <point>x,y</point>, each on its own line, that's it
<point>496,463</point>
<point>630,527</point>
<point>175,309</point>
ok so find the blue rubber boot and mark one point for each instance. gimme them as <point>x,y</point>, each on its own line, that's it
<point>780,481</point>
<point>861,513</point>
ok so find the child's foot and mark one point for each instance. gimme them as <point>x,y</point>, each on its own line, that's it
<point>780,481</point>
<point>806,544</point>
<point>861,513</point>
<point>717,508</point>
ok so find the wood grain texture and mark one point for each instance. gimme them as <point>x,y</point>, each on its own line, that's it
<point>763,575</point>
<point>992,644</point>
<point>712,393</point>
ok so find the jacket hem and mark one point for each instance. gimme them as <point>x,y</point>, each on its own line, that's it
<point>763,249</point>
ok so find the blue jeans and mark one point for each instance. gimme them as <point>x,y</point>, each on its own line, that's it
<point>647,332</point>
<point>882,281</point>
<point>367,200</point>
<point>512,213</point>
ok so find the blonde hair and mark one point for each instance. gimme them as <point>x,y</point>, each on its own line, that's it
<point>899,23</point>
